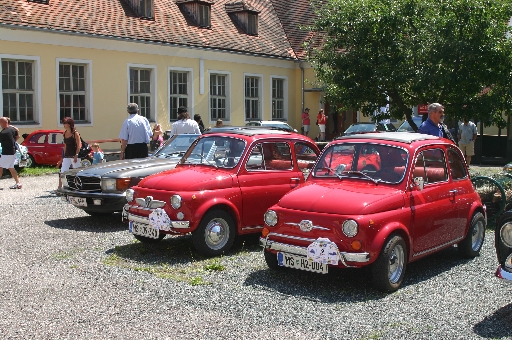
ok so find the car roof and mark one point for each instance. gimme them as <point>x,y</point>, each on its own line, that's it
<point>251,131</point>
<point>404,137</point>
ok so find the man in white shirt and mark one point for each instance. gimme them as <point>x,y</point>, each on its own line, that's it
<point>467,137</point>
<point>135,134</point>
<point>184,124</point>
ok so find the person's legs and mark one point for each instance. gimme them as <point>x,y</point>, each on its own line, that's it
<point>322,132</point>
<point>66,164</point>
<point>470,151</point>
<point>14,175</point>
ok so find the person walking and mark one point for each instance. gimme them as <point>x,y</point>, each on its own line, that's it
<point>7,141</point>
<point>135,134</point>
<point>432,125</point>
<point>157,139</point>
<point>199,122</point>
<point>306,122</point>
<point>467,137</point>
<point>184,124</point>
<point>321,119</point>
<point>72,145</point>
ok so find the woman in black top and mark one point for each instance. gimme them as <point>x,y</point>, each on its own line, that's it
<point>72,147</point>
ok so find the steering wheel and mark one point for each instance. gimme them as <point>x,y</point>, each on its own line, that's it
<point>387,175</point>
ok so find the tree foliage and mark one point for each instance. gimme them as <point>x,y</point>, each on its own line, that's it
<point>370,53</point>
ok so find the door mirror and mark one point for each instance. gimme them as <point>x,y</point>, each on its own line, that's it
<point>419,182</point>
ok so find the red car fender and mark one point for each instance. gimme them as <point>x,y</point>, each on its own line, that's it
<point>230,205</point>
<point>475,207</point>
<point>383,234</point>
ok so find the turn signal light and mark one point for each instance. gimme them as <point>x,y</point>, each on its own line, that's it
<point>123,183</point>
<point>265,232</point>
<point>356,244</point>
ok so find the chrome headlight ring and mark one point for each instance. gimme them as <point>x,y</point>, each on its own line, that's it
<point>129,195</point>
<point>506,234</point>
<point>175,201</point>
<point>350,228</point>
<point>270,218</point>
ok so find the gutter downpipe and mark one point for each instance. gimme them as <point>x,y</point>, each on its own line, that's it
<point>302,84</point>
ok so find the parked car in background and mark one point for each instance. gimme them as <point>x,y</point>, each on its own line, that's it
<point>367,127</point>
<point>416,199</point>
<point>101,188</point>
<point>406,127</point>
<point>221,187</point>
<point>275,124</point>
<point>45,147</point>
<point>21,160</point>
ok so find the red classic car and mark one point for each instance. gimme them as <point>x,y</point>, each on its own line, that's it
<point>45,147</point>
<point>221,188</point>
<point>415,199</point>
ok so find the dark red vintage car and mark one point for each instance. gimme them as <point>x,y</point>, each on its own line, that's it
<point>221,188</point>
<point>411,197</point>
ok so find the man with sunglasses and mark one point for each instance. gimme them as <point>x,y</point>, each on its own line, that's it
<point>432,126</point>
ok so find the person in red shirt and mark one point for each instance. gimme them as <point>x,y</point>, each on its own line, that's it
<point>305,122</point>
<point>321,119</point>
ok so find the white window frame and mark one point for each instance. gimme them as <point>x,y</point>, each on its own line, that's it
<point>88,89</point>
<point>227,74</point>
<point>285,96</point>
<point>190,89</point>
<point>260,96</point>
<point>153,112</point>
<point>37,87</point>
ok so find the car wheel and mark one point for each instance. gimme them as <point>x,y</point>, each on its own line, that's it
<point>215,234</point>
<point>389,268</point>
<point>30,162</point>
<point>85,162</point>
<point>472,243</point>
<point>271,260</point>
<point>149,240</point>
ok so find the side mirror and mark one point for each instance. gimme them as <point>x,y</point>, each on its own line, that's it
<point>419,182</point>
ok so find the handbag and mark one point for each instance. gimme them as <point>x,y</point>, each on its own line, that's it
<point>84,150</point>
<point>154,144</point>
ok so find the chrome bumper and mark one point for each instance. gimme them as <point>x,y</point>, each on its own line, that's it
<point>503,274</point>
<point>344,257</point>
<point>145,220</point>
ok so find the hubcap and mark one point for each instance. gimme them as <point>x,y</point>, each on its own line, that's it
<point>477,235</point>
<point>396,264</point>
<point>217,234</point>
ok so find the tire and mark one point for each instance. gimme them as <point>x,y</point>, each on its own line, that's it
<point>85,162</point>
<point>271,260</point>
<point>149,240</point>
<point>389,269</point>
<point>30,162</point>
<point>470,246</point>
<point>215,234</point>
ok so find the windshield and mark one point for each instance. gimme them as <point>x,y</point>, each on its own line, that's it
<point>358,128</point>
<point>176,146</point>
<point>383,163</point>
<point>221,152</point>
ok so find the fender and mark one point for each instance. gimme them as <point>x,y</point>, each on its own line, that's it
<point>232,201</point>
<point>381,236</point>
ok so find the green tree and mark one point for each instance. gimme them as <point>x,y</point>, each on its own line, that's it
<point>370,53</point>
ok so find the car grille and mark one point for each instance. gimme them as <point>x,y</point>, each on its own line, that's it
<point>84,183</point>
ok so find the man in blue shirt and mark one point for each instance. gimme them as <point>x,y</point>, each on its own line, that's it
<point>432,126</point>
<point>135,134</point>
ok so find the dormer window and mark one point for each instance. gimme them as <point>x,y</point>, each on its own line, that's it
<point>245,15</point>
<point>45,2</point>
<point>143,8</point>
<point>198,10</point>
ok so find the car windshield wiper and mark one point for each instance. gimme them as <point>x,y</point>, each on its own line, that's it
<point>376,181</point>
<point>202,157</point>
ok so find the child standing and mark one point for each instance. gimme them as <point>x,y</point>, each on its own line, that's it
<point>98,154</point>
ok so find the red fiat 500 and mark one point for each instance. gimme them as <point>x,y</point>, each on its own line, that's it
<point>379,199</point>
<point>222,187</point>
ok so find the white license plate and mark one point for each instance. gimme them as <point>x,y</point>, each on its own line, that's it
<point>143,229</point>
<point>300,262</point>
<point>77,201</point>
<point>22,164</point>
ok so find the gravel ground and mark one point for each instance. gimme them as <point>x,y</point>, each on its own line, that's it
<point>71,276</point>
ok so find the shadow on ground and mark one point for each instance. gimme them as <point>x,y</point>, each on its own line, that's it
<point>94,224</point>
<point>497,325</point>
<point>350,284</point>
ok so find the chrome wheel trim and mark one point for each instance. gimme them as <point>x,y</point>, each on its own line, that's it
<point>396,264</point>
<point>216,234</point>
<point>477,235</point>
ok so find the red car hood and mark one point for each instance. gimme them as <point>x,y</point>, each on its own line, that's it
<point>343,198</point>
<point>193,178</point>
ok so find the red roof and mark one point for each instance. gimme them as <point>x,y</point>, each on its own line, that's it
<point>278,23</point>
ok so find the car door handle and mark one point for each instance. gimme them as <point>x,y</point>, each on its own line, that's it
<point>453,192</point>
<point>295,179</point>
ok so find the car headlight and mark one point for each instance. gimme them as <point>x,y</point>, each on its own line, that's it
<point>508,262</point>
<point>506,234</point>
<point>176,201</point>
<point>129,195</point>
<point>270,218</point>
<point>115,184</point>
<point>350,228</point>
